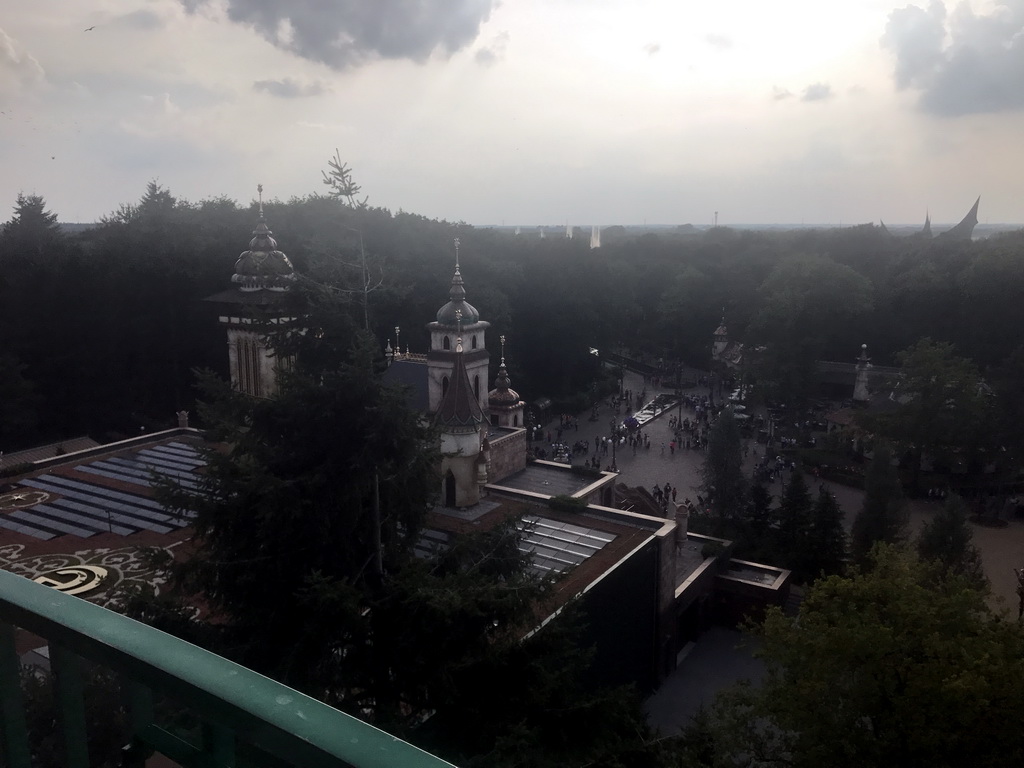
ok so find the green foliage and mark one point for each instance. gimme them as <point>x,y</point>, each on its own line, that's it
<point>943,411</point>
<point>106,720</point>
<point>32,232</point>
<point>888,667</point>
<point>946,542</point>
<point>724,481</point>
<point>827,537</point>
<point>564,503</point>
<point>883,516</point>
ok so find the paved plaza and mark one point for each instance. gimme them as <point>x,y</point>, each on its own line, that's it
<point>1002,549</point>
<point>722,657</point>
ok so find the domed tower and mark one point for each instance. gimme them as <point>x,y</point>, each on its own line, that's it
<point>503,403</point>
<point>461,422</point>
<point>457,317</point>
<point>721,340</point>
<point>262,274</point>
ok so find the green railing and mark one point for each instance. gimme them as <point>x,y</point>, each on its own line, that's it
<point>242,713</point>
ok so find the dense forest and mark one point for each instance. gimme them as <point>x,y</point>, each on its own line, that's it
<point>103,327</point>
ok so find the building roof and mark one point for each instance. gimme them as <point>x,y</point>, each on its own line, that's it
<point>965,228</point>
<point>503,395</point>
<point>459,406</point>
<point>447,315</point>
<point>263,267</point>
<point>47,451</point>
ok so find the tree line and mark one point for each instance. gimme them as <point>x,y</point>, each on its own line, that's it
<point>101,327</point>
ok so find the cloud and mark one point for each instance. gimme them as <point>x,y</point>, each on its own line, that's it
<point>778,94</point>
<point>961,62</point>
<point>652,48</point>
<point>347,33</point>
<point>17,67</point>
<point>494,51</point>
<point>721,42</point>
<point>288,88</point>
<point>817,92</point>
<point>140,19</point>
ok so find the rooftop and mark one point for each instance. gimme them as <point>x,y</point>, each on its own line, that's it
<point>548,479</point>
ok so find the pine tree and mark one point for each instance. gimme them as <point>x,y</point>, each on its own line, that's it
<point>827,539</point>
<point>33,231</point>
<point>724,481</point>
<point>946,542</point>
<point>883,517</point>
<point>793,533</point>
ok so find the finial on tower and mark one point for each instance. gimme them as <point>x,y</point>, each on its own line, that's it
<point>502,340</point>
<point>259,191</point>
<point>458,314</point>
<point>456,254</point>
<point>398,341</point>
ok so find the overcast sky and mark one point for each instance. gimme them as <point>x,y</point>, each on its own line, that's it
<point>523,111</point>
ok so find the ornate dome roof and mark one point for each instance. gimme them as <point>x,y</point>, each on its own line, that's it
<point>502,394</point>
<point>457,302</point>
<point>263,266</point>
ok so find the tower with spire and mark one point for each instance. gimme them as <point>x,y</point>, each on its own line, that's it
<point>263,275</point>
<point>458,318</point>
<point>462,425</point>
<point>503,403</point>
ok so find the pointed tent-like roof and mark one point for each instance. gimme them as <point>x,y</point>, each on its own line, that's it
<point>965,229</point>
<point>459,406</point>
<point>926,231</point>
<point>722,332</point>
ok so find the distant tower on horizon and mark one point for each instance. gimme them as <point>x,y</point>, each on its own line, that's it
<point>568,231</point>
<point>595,236</point>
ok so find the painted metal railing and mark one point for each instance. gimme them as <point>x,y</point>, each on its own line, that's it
<point>242,714</point>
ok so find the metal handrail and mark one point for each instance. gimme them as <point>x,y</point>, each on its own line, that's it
<point>236,704</point>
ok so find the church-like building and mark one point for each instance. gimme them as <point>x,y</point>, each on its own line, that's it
<point>483,436</point>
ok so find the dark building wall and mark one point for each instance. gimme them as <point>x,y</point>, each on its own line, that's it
<point>621,615</point>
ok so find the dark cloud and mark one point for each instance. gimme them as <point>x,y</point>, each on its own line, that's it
<point>960,62</point>
<point>817,92</point>
<point>721,42</point>
<point>347,33</point>
<point>494,51</point>
<point>288,88</point>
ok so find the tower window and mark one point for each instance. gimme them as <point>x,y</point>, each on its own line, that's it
<point>474,341</point>
<point>447,343</point>
<point>476,385</point>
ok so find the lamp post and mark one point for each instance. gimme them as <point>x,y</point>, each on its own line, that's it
<point>398,342</point>
<point>615,442</point>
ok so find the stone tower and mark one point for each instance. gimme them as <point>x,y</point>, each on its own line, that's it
<point>262,276</point>
<point>457,318</point>
<point>462,426</point>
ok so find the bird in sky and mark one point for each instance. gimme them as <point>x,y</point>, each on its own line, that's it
<point>90,29</point>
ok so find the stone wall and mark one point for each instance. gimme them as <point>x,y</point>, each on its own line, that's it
<point>508,455</point>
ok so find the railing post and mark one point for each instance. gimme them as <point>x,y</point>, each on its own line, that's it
<point>67,670</point>
<point>12,707</point>
<point>218,746</point>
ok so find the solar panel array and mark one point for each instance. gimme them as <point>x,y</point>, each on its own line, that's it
<point>555,546</point>
<point>84,509</point>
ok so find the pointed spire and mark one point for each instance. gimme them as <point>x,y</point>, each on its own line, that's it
<point>459,406</point>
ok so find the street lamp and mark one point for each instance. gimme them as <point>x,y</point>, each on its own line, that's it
<point>615,442</point>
